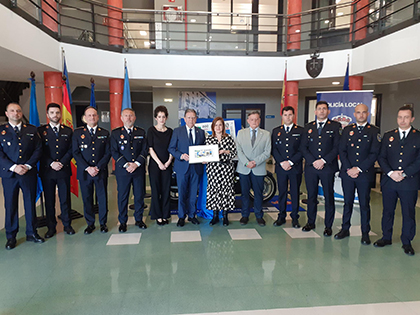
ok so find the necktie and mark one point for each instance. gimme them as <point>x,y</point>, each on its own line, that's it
<point>55,131</point>
<point>16,130</point>
<point>92,131</point>
<point>287,129</point>
<point>403,137</point>
<point>253,136</point>
<point>190,137</point>
<point>360,128</point>
<point>129,133</point>
<point>320,128</point>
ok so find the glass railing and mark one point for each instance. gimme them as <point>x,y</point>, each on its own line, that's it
<point>343,25</point>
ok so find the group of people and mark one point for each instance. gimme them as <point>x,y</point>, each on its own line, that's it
<point>320,143</point>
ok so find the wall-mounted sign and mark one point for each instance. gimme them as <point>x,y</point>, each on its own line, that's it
<point>270,116</point>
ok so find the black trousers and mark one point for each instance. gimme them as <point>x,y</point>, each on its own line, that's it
<point>124,184</point>
<point>49,185</point>
<point>101,186</point>
<point>283,179</point>
<point>160,183</point>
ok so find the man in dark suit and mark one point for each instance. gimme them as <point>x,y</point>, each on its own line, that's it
<point>285,143</point>
<point>92,152</point>
<point>320,148</point>
<point>55,169</point>
<point>20,151</point>
<point>400,161</point>
<point>129,150</point>
<point>358,150</point>
<point>187,175</point>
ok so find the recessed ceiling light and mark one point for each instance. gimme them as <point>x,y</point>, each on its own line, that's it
<point>336,83</point>
<point>143,33</point>
<point>340,13</point>
<point>297,31</point>
<point>193,20</point>
<point>146,43</point>
<point>168,100</point>
<point>168,84</point>
<point>326,21</point>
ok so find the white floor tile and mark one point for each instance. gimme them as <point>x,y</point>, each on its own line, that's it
<point>298,233</point>
<point>244,234</point>
<point>185,236</point>
<point>124,239</point>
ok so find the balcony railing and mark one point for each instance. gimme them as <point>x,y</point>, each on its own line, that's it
<point>343,25</point>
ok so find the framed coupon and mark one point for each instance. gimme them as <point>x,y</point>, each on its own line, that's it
<point>204,153</point>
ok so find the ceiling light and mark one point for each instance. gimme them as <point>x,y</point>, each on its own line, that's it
<point>297,31</point>
<point>326,21</point>
<point>340,13</point>
<point>336,83</point>
<point>146,43</point>
<point>193,20</point>
<point>168,84</point>
<point>234,27</point>
<point>168,100</point>
<point>143,33</point>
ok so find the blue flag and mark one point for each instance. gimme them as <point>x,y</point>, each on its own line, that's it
<point>34,120</point>
<point>126,101</point>
<point>67,81</point>
<point>92,95</point>
<point>346,79</point>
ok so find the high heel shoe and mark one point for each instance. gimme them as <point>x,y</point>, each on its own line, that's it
<point>159,222</point>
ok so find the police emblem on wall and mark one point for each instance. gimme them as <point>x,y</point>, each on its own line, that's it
<point>314,65</point>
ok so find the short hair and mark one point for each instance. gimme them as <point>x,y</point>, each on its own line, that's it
<point>12,103</point>
<point>321,103</point>
<point>130,109</point>
<point>286,108</point>
<point>190,110</point>
<point>89,107</point>
<point>407,107</point>
<point>213,124</point>
<point>160,109</point>
<point>53,105</point>
<point>255,112</point>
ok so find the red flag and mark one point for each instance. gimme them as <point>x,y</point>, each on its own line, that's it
<point>67,120</point>
<point>283,92</point>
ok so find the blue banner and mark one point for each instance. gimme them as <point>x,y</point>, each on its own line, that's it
<point>92,95</point>
<point>126,100</point>
<point>342,104</point>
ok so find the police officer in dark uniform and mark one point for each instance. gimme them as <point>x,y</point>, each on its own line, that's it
<point>358,150</point>
<point>320,148</point>
<point>55,169</point>
<point>92,152</point>
<point>20,151</point>
<point>400,161</point>
<point>285,143</point>
<point>129,150</point>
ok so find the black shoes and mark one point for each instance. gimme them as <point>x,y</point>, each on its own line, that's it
<point>342,234</point>
<point>160,222</point>
<point>69,230</point>
<point>141,225</point>
<point>327,232</point>
<point>122,228</point>
<point>381,243</point>
<point>365,239</point>
<point>165,221</point>
<point>244,220</point>
<point>295,223</point>
<point>261,221</point>
<point>279,222</point>
<point>308,227</point>
<point>89,229</point>
<point>11,243</point>
<point>225,218</point>
<point>408,249</point>
<point>181,222</point>
<point>35,238</point>
<point>104,228</point>
<point>215,219</point>
<point>50,233</point>
<point>194,220</point>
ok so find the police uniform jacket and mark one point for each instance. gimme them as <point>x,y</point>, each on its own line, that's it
<point>396,156</point>
<point>286,147</point>
<point>359,149</point>
<point>91,151</point>
<point>126,148</point>
<point>55,149</point>
<point>24,148</point>
<point>325,146</point>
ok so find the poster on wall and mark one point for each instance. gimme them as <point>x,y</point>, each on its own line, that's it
<point>204,103</point>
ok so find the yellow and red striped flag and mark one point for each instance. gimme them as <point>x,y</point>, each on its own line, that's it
<point>283,92</point>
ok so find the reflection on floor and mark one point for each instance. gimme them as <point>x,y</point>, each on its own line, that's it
<point>279,273</point>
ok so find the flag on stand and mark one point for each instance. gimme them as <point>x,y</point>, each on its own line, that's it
<point>126,101</point>
<point>346,79</point>
<point>283,92</point>
<point>67,120</point>
<point>34,120</point>
<point>92,94</point>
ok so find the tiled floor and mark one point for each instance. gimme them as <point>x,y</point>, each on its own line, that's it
<point>276,274</point>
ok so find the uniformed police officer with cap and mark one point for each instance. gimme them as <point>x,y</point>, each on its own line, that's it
<point>358,150</point>
<point>20,151</point>
<point>400,161</point>
<point>320,148</point>
<point>285,143</point>
<point>129,150</point>
<point>92,152</point>
<point>55,169</point>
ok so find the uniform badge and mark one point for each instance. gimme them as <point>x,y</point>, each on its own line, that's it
<point>122,148</point>
<point>368,127</point>
<point>3,132</point>
<point>351,133</point>
<point>414,130</point>
<point>391,139</point>
<point>379,137</point>
<point>352,144</point>
<point>82,136</point>
<point>122,136</point>
<point>310,131</point>
<point>329,122</point>
<point>45,133</point>
<point>278,135</point>
<point>9,144</point>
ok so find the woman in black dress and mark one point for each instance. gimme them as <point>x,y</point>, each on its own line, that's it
<point>160,170</point>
